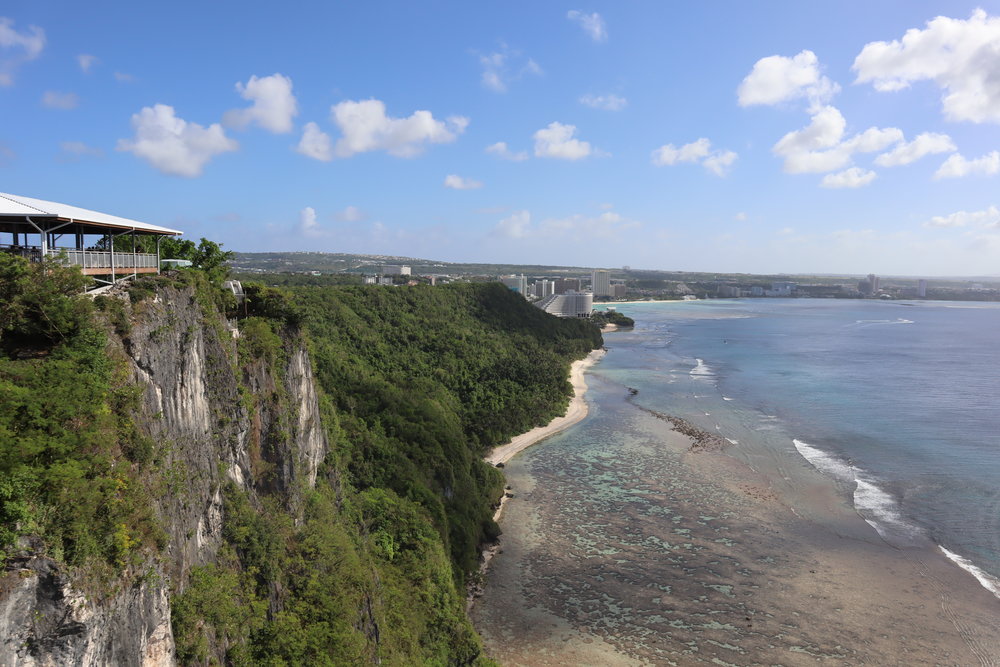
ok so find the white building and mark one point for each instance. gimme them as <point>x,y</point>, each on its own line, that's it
<point>571,304</point>
<point>781,289</point>
<point>600,283</point>
<point>395,270</point>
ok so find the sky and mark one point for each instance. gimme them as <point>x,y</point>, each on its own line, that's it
<point>794,137</point>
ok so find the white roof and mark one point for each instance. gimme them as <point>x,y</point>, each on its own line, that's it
<point>16,205</point>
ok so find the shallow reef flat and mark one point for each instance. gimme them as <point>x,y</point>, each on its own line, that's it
<point>623,545</point>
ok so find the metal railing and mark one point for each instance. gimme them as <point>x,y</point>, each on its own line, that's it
<point>101,259</point>
<point>88,259</point>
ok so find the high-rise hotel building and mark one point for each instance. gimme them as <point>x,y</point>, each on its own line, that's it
<point>600,283</point>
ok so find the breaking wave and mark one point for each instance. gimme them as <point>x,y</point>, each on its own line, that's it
<point>872,503</point>
<point>988,582</point>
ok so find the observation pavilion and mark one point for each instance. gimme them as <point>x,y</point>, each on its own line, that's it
<point>37,228</point>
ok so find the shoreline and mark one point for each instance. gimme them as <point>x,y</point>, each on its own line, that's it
<point>763,562</point>
<point>501,454</point>
<point>576,411</point>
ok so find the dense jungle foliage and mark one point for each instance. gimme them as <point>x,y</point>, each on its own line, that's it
<point>72,461</point>
<point>425,380</point>
<point>416,384</point>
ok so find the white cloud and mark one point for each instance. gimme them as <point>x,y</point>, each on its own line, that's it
<point>456,182</point>
<point>699,152</point>
<point>122,77</point>
<point>607,225</point>
<point>820,146</point>
<point>855,177</point>
<point>692,152</point>
<point>500,150</point>
<point>274,106</point>
<point>86,61</point>
<point>907,152</point>
<point>609,102</point>
<point>308,225</point>
<point>350,214</point>
<point>824,131</point>
<point>315,143</point>
<point>556,141</point>
<point>75,150</point>
<point>961,57</point>
<point>173,145</point>
<point>17,48</point>
<point>740,217</point>
<point>777,79</point>
<point>65,101</point>
<point>990,218</point>
<point>366,127</point>
<point>515,226</point>
<point>503,67</point>
<point>719,162</point>
<point>592,24</point>
<point>957,166</point>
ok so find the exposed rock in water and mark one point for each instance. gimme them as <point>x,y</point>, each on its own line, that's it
<point>701,440</point>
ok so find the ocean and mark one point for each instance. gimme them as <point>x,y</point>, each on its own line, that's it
<point>895,401</point>
<point>848,509</point>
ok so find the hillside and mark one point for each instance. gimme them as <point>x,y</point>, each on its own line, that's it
<point>294,480</point>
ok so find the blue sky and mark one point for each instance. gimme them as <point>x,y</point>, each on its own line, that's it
<point>851,137</point>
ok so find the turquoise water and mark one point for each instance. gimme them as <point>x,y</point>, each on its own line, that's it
<point>892,400</point>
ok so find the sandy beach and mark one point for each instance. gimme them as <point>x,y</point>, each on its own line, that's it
<point>576,411</point>
<point>627,545</point>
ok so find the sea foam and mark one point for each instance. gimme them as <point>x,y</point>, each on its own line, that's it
<point>988,582</point>
<point>701,369</point>
<point>872,503</point>
<point>898,320</point>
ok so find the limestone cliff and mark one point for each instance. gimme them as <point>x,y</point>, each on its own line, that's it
<point>212,417</point>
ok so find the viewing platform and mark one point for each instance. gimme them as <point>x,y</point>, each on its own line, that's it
<point>116,247</point>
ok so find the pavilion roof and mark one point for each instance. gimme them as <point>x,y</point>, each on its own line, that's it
<point>16,206</point>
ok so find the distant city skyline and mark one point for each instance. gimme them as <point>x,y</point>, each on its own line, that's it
<point>777,138</point>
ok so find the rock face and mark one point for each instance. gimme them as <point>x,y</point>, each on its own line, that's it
<point>213,419</point>
<point>47,621</point>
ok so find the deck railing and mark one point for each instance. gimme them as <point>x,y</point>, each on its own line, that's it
<point>101,259</point>
<point>89,259</point>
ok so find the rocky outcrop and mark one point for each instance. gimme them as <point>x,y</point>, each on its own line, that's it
<point>212,420</point>
<point>48,621</point>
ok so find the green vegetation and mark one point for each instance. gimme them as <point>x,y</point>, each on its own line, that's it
<point>602,317</point>
<point>416,384</point>
<point>366,566</point>
<point>425,379</point>
<point>300,279</point>
<point>71,457</point>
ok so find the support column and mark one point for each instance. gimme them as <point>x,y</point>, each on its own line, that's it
<point>158,238</point>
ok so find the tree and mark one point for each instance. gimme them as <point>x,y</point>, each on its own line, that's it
<point>211,258</point>
<point>38,304</point>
